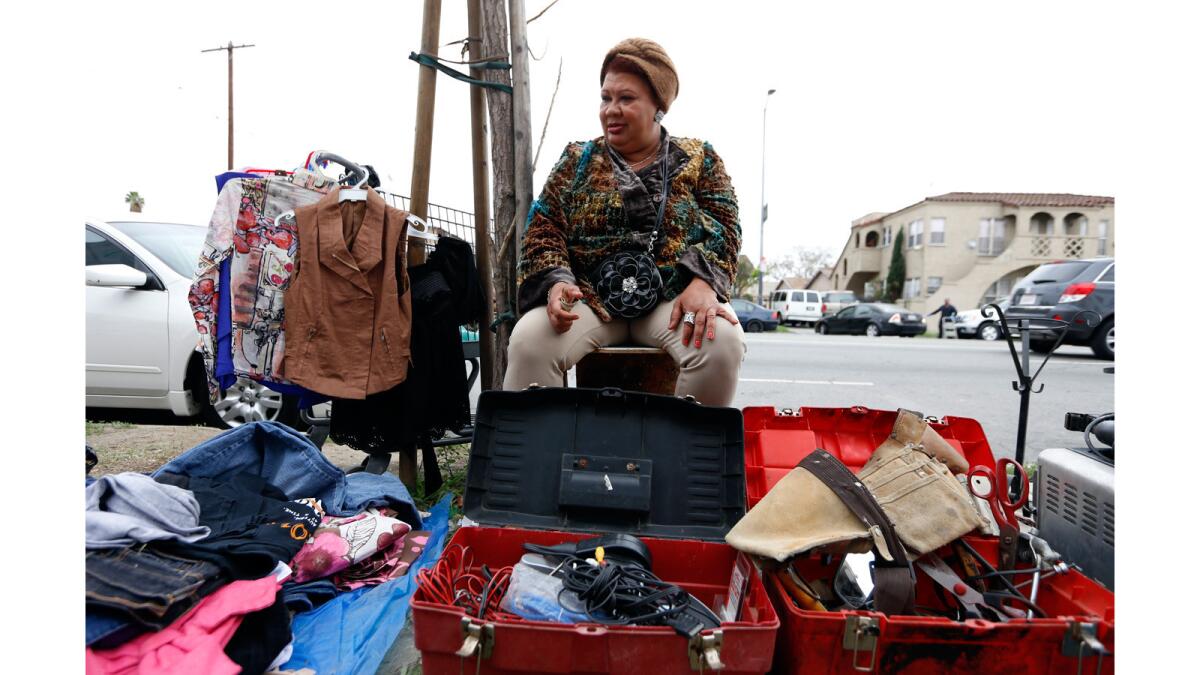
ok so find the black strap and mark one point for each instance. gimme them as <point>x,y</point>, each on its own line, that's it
<point>895,583</point>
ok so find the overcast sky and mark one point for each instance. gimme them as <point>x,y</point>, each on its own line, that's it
<point>878,105</point>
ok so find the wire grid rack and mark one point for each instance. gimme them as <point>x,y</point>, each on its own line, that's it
<point>455,222</point>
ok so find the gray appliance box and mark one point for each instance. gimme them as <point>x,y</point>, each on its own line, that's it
<point>1075,509</point>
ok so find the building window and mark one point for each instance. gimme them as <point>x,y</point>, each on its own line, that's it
<point>916,233</point>
<point>937,231</point>
<point>887,236</point>
<point>1102,245</point>
<point>872,239</point>
<point>858,240</point>
<point>935,283</point>
<point>912,287</point>
<point>991,236</point>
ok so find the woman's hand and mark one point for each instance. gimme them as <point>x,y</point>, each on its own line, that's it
<point>558,303</point>
<point>700,299</point>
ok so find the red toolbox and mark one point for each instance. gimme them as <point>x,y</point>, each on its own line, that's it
<point>1080,611</point>
<point>556,465</point>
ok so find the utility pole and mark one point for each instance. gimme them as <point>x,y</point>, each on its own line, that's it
<point>483,207</point>
<point>494,32</point>
<point>229,48</point>
<point>431,24</point>
<point>763,193</point>
<point>522,118</point>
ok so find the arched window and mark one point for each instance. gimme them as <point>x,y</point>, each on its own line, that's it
<point>1041,223</point>
<point>872,239</point>
<point>1076,225</point>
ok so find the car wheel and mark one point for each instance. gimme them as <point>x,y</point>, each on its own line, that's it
<point>822,329</point>
<point>1042,346</point>
<point>988,331</point>
<point>754,326</point>
<point>872,330</point>
<point>1104,340</point>
<point>249,401</point>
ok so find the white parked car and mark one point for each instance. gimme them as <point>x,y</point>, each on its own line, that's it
<point>141,336</point>
<point>972,323</point>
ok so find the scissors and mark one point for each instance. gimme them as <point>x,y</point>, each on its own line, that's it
<point>1004,507</point>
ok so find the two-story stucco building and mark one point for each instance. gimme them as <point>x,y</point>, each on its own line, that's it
<point>971,247</point>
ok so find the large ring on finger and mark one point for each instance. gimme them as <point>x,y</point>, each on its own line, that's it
<point>689,317</point>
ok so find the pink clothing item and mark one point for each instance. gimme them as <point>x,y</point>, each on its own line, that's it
<point>341,542</point>
<point>389,563</point>
<point>194,643</point>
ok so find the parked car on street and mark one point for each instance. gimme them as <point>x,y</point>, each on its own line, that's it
<point>832,302</point>
<point>873,319</point>
<point>754,318</point>
<point>1079,292</point>
<point>141,336</point>
<point>796,307</point>
<point>973,324</point>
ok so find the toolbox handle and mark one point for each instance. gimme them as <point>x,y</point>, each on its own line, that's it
<point>613,394</point>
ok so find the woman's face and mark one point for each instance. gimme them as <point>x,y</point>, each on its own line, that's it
<point>627,110</point>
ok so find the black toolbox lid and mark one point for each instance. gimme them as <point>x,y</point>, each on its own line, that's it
<point>606,460</point>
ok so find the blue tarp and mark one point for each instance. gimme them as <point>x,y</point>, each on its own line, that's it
<point>353,632</point>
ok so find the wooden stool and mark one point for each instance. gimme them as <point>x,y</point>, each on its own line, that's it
<point>630,367</point>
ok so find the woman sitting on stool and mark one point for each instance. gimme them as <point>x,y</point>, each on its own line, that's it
<point>643,228</point>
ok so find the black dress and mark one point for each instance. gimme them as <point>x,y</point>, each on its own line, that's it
<point>446,294</point>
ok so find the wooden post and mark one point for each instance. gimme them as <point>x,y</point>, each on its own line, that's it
<point>495,42</point>
<point>479,175</point>
<point>431,21</point>
<point>522,119</point>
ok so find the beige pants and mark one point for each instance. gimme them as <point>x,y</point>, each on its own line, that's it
<point>537,354</point>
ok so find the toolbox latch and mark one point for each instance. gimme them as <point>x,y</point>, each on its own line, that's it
<point>704,651</point>
<point>862,633</point>
<point>614,483</point>
<point>477,639</point>
<point>1081,642</point>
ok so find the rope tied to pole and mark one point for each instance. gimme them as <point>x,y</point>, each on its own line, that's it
<point>436,63</point>
<point>508,316</point>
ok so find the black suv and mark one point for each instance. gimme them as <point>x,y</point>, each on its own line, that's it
<point>1080,292</point>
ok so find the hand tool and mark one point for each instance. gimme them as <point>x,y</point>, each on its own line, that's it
<point>991,486</point>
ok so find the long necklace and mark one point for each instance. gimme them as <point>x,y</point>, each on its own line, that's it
<point>645,160</point>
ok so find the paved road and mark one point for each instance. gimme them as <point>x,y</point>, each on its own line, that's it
<point>964,378</point>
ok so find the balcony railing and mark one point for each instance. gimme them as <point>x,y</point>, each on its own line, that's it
<point>1042,247</point>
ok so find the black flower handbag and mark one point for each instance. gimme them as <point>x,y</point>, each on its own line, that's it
<point>628,283</point>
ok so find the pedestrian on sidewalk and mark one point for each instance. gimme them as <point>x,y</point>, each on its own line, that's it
<point>947,311</point>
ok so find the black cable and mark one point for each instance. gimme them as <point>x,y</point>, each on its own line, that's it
<point>617,593</point>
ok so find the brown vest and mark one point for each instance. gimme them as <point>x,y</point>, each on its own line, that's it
<point>347,311</point>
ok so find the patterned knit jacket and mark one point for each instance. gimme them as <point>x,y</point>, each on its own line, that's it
<point>583,215</point>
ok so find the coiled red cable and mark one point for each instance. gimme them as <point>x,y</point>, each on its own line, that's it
<point>451,581</point>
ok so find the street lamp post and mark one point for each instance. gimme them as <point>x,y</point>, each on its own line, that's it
<point>763,193</point>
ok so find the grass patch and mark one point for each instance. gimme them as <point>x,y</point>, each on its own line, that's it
<point>452,462</point>
<point>91,428</point>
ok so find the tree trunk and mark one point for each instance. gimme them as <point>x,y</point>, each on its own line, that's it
<point>483,206</point>
<point>500,114</point>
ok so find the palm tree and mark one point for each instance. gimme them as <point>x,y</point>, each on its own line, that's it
<point>135,201</point>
